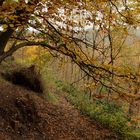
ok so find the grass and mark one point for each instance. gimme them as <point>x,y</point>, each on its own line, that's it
<point>50,97</point>
<point>109,115</point>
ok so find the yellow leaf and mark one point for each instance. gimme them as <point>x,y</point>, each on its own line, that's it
<point>11,25</point>
<point>5,26</point>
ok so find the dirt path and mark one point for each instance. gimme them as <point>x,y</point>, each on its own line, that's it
<point>25,116</point>
<point>89,129</point>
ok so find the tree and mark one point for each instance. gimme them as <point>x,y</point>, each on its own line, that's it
<point>61,26</point>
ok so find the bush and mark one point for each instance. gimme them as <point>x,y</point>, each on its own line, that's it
<point>26,77</point>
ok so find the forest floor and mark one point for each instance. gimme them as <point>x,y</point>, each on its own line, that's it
<point>26,116</point>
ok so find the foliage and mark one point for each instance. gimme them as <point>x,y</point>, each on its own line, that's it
<point>92,34</point>
<point>62,28</point>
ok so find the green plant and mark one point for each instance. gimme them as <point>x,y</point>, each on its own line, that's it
<point>50,97</point>
<point>59,84</point>
<point>110,115</point>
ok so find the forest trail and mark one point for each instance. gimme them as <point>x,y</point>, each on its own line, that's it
<point>25,116</point>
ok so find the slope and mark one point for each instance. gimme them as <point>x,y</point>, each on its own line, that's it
<point>25,116</point>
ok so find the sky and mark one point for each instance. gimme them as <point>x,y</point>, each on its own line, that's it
<point>138,32</point>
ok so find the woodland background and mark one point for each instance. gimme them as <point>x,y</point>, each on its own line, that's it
<point>87,48</point>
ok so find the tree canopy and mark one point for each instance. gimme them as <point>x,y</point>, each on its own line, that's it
<point>91,32</point>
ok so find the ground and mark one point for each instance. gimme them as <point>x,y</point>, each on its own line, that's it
<point>26,116</point>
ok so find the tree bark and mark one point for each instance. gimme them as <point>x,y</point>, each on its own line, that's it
<point>1,2</point>
<point>4,38</point>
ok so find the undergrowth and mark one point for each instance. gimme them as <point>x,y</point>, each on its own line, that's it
<point>46,77</point>
<point>109,115</point>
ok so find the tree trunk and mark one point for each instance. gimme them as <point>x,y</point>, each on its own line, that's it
<point>1,2</point>
<point>4,38</point>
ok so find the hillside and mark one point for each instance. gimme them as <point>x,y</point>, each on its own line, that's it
<point>26,116</point>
